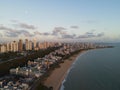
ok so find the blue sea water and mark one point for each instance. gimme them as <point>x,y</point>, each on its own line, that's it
<point>95,70</point>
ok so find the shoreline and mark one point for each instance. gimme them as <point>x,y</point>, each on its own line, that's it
<point>58,75</point>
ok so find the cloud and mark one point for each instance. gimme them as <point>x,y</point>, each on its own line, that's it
<point>2,27</point>
<point>100,34</point>
<point>59,31</point>
<point>9,32</point>
<point>37,33</point>
<point>91,34</point>
<point>74,27</point>
<point>69,36</point>
<point>23,25</point>
<point>45,34</point>
<point>60,28</point>
<point>17,33</point>
<point>26,26</point>
<point>25,32</point>
<point>62,33</point>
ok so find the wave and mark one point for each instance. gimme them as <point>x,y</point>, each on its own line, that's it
<point>62,85</point>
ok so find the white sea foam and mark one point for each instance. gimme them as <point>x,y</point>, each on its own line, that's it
<point>62,86</point>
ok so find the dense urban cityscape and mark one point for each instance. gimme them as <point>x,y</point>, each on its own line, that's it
<point>27,46</point>
<point>27,76</point>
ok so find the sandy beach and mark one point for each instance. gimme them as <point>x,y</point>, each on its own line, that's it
<point>57,76</point>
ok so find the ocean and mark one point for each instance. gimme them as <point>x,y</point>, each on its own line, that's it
<point>95,70</point>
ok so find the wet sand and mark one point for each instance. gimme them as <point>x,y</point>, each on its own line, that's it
<point>57,76</point>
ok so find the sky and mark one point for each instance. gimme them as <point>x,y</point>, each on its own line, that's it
<point>70,20</point>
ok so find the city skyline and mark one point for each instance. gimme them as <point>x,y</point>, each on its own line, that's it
<point>88,20</point>
<point>25,45</point>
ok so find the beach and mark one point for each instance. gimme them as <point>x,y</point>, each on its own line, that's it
<point>57,76</point>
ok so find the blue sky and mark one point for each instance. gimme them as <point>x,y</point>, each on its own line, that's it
<point>83,20</point>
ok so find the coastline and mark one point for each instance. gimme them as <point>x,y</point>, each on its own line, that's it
<point>58,75</point>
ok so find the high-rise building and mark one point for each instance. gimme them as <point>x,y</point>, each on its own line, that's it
<point>3,48</point>
<point>30,45</point>
<point>8,47</point>
<point>20,45</point>
<point>26,44</point>
<point>34,44</point>
<point>41,45</point>
<point>11,46</point>
<point>45,45</point>
<point>15,46</point>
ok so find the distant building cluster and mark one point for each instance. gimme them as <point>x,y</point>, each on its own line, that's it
<point>19,46</point>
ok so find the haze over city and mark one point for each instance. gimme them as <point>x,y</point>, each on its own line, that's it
<point>80,20</point>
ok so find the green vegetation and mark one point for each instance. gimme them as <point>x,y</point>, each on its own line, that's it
<point>9,55</point>
<point>5,66</point>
